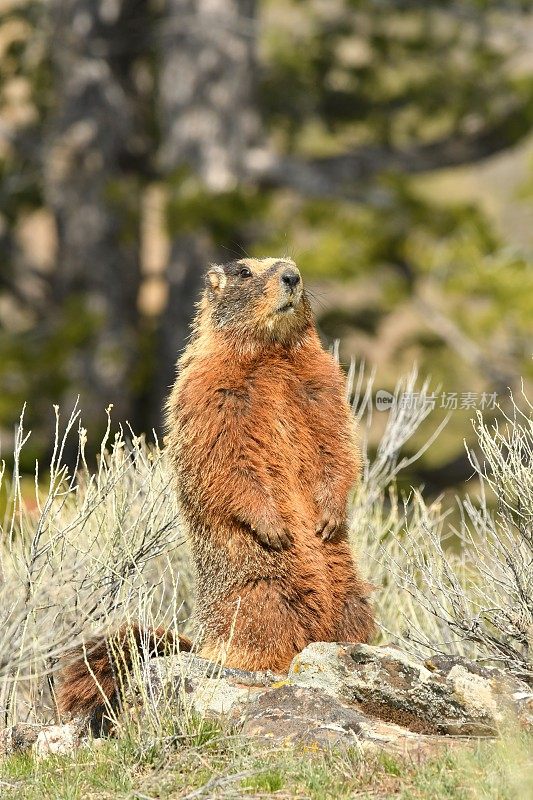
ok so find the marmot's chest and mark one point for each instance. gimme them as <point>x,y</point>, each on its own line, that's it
<point>283,401</point>
<point>284,416</point>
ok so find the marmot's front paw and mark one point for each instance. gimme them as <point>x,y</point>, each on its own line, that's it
<point>330,527</point>
<point>278,538</point>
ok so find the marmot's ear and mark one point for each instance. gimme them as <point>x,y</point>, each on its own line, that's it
<point>216,278</point>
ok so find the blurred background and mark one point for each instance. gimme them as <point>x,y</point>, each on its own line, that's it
<point>385,145</point>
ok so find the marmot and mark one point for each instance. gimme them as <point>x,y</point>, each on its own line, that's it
<point>90,684</point>
<point>263,445</point>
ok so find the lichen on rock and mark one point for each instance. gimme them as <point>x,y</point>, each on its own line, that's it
<point>335,694</point>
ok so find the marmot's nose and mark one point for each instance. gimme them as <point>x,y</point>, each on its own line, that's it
<point>290,278</point>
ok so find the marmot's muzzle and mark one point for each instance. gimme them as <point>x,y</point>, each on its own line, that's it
<point>290,278</point>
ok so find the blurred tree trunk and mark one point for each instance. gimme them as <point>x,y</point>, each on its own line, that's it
<point>208,121</point>
<point>94,141</point>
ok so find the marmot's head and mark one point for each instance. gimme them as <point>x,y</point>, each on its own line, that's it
<point>261,299</point>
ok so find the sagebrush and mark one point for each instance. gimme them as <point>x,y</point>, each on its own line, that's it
<point>95,546</point>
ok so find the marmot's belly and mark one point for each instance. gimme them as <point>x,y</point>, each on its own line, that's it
<point>310,579</point>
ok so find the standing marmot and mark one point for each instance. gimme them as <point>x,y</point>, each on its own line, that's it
<point>262,442</point>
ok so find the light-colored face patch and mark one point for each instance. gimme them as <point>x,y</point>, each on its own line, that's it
<point>257,299</point>
<point>260,265</point>
<point>216,277</point>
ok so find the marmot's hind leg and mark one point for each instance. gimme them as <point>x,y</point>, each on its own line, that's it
<point>356,623</point>
<point>354,619</point>
<point>256,631</point>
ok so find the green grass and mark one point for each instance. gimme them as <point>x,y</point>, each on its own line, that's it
<point>126,510</point>
<point>227,766</point>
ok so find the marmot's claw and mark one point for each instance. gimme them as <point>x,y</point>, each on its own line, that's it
<point>329,528</point>
<point>285,539</point>
<point>276,538</point>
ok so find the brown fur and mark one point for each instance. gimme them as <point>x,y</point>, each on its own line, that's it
<point>264,449</point>
<point>263,445</point>
<point>91,679</point>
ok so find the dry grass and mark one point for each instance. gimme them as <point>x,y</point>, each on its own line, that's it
<point>465,587</point>
<point>98,546</point>
<point>104,545</point>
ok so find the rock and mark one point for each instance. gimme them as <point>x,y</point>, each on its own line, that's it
<point>508,691</point>
<point>207,689</point>
<point>295,715</point>
<point>18,738</point>
<point>334,695</point>
<point>385,683</point>
<point>42,740</point>
<point>57,739</point>
<point>372,697</point>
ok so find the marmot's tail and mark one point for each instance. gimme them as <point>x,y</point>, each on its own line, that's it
<point>90,683</point>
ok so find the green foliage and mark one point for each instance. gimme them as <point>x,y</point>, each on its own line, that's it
<point>123,196</point>
<point>27,55</point>
<point>390,765</point>
<point>19,191</point>
<point>381,72</point>
<point>66,778</point>
<point>222,215</point>
<point>25,58</point>
<point>37,368</point>
<point>399,229</point>
<point>201,732</point>
<point>269,781</point>
<point>355,76</point>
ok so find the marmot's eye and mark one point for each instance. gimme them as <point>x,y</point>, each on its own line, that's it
<point>245,273</point>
